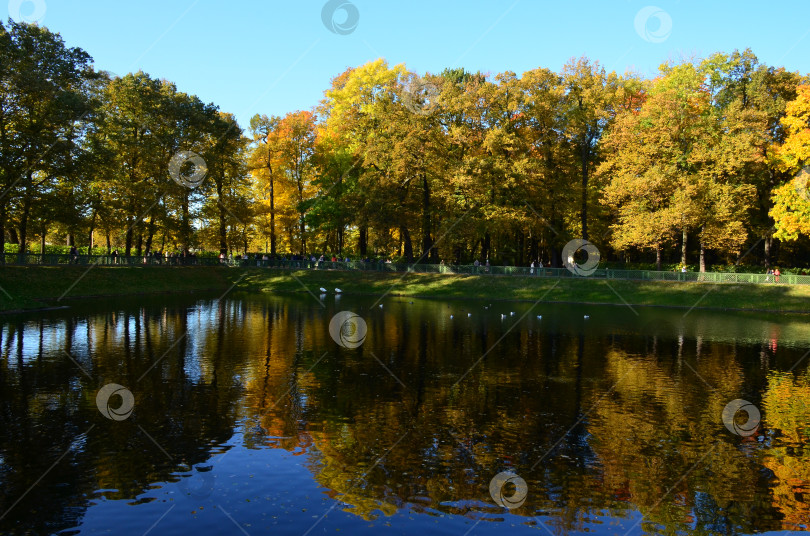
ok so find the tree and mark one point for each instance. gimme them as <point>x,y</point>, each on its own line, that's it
<point>260,164</point>
<point>791,209</point>
<point>292,145</point>
<point>740,78</point>
<point>43,101</point>
<point>681,162</point>
<point>588,108</point>
<point>224,154</point>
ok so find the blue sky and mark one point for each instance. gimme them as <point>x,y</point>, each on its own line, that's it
<point>273,57</point>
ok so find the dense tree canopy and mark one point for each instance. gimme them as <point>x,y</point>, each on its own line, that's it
<point>703,164</point>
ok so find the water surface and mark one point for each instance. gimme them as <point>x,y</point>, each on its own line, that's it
<point>249,418</point>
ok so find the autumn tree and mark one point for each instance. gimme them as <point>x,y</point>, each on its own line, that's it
<point>292,145</point>
<point>791,210</point>
<point>588,108</point>
<point>260,165</point>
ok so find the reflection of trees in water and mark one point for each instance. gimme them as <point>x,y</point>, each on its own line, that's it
<point>787,408</point>
<point>457,438</point>
<point>271,365</point>
<point>47,408</point>
<point>657,443</point>
<point>664,449</point>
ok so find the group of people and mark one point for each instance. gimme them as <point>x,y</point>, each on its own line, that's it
<point>312,261</point>
<point>302,261</point>
<point>534,267</point>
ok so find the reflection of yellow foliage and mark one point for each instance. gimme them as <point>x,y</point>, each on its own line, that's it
<point>345,479</point>
<point>787,410</point>
<point>787,405</point>
<point>657,436</point>
<point>792,475</point>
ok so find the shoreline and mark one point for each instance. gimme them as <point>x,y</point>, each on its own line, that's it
<point>42,289</point>
<point>526,300</point>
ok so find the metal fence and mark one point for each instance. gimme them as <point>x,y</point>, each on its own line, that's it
<point>376,266</point>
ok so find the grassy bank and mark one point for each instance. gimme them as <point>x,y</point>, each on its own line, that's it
<point>34,287</point>
<point>581,290</point>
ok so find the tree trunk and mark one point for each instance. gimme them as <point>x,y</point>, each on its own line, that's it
<point>534,253</point>
<point>658,256</point>
<point>406,239</point>
<point>768,244</point>
<point>150,232</point>
<point>362,240</point>
<point>109,245</point>
<point>427,240</point>
<point>272,211</point>
<point>12,235</point>
<point>139,247</point>
<point>486,247</point>
<point>70,240</point>
<point>90,234</point>
<point>42,240</point>
<point>521,240</point>
<point>683,248</point>
<point>2,232</point>
<point>303,229</point>
<point>702,256</point>
<point>186,224</point>
<point>26,211</point>
<point>556,256</point>
<point>340,223</point>
<point>128,240</point>
<point>584,162</point>
<point>223,228</point>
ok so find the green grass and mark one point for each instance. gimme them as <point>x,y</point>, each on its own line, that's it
<point>36,287</point>
<point>31,287</point>
<point>581,290</point>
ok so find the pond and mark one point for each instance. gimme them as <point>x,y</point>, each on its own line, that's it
<point>249,415</point>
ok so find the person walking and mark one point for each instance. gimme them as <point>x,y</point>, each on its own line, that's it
<point>531,268</point>
<point>776,274</point>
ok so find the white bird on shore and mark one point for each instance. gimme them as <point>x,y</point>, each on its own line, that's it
<point>469,315</point>
<point>503,316</point>
<point>511,313</point>
<point>381,306</point>
<point>338,291</point>
<point>587,317</point>
<point>451,317</point>
<point>323,290</point>
<point>539,317</point>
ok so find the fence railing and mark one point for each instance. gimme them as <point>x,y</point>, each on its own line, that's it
<point>375,266</point>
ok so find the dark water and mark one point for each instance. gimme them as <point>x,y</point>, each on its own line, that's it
<point>248,418</point>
